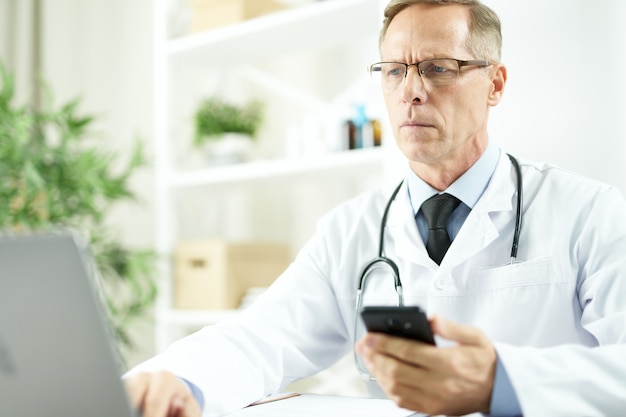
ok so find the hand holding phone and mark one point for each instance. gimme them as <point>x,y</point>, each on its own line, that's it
<point>409,322</point>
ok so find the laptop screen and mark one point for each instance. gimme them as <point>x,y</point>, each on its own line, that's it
<point>56,351</point>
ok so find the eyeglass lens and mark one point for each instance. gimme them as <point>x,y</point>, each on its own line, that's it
<point>436,71</point>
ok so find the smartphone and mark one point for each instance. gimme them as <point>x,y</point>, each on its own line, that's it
<point>409,321</point>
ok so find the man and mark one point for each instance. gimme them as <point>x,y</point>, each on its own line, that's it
<point>542,334</point>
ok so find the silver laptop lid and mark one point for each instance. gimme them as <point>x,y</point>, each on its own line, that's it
<point>56,356</point>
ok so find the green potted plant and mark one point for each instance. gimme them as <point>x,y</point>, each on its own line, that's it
<point>227,130</point>
<point>54,174</point>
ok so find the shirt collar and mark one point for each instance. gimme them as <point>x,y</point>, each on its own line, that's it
<point>468,187</point>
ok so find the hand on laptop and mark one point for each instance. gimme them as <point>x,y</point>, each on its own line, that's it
<point>451,380</point>
<point>161,394</point>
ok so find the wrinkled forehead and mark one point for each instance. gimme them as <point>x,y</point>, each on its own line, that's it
<point>425,30</point>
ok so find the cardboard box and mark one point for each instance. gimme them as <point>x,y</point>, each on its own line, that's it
<point>216,275</point>
<point>209,14</point>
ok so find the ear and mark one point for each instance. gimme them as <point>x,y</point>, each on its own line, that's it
<point>498,81</point>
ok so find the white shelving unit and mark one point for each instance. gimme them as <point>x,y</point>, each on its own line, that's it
<point>189,67</point>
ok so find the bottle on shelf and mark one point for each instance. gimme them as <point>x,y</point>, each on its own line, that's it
<point>362,131</point>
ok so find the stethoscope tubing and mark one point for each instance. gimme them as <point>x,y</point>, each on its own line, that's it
<point>518,214</point>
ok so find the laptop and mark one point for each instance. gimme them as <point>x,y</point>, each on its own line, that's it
<point>57,357</point>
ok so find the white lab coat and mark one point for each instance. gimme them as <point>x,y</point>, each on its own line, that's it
<point>557,317</point>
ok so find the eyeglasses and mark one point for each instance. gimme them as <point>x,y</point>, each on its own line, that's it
<point>439,71</point>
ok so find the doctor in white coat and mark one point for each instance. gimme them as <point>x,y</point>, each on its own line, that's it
<point>540,335</point>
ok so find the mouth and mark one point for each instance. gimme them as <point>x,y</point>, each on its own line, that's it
<point>415,124</point>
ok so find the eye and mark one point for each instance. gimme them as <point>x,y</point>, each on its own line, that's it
<point>439,69</point>
<point>394,71</point>
<point>433,69</point>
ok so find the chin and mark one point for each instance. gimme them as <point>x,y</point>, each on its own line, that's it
<point>418,152</point>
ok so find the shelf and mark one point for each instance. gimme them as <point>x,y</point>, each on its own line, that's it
<point>317,25</point>
<point>256,54</point>
<point>287,169</point>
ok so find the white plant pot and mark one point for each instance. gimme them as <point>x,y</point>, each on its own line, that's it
<point>230,148</point>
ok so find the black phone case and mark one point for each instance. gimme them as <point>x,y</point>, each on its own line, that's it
<point>409,322</point>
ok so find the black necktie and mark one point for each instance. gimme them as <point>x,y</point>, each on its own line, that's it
<point>437,210</point>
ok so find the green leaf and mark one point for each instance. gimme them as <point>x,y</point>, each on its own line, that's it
<point>55,173</point>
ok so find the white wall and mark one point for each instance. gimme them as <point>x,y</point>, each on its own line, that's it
<point>101,50</point>
<point>563,102</point>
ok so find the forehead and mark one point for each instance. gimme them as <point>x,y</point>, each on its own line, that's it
<point>423,31</point>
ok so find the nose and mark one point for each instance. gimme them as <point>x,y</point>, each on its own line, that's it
<point>413,87</point>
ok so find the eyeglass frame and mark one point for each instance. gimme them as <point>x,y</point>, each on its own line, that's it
<point>481,63</point>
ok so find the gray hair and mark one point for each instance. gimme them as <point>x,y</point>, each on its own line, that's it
<point>485,37</point>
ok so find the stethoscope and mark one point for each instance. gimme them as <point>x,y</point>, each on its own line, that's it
<point>381,261</point>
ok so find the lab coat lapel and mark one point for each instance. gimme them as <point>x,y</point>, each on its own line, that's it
<point>479,231</point>
<point>402,237</point>
<point>403,240</point>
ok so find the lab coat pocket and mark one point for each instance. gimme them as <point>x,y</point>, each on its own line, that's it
<point>527,303</point>
<point>535,272</point>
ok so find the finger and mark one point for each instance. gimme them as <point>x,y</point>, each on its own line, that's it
<point>415,398</point>
<point>408,386</point>
<point>460,333</point>
<point>156,402</point>
<point>360,345</point>
<point>177,407</point>
<point>136,387</point>
<point>184,407</point>
<point>409,397</point>
<point>410,351</point>
<point>161,393</point>
<point>389,368</point>
<point>192,408</point>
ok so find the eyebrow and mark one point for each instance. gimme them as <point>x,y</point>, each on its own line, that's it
<point>425,58</point>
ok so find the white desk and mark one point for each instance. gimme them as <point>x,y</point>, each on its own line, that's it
<point>312,405</point>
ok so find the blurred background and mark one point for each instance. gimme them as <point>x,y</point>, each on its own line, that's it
<point>224,216</point>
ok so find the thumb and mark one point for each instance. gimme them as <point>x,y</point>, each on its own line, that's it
<point>460,333</point>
